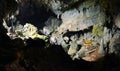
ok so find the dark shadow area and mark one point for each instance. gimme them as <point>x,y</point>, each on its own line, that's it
<point>52,58</point>
<point>81,32</point>
<point>34,14</point>
<point>41,56</point>
<point>111,62</point>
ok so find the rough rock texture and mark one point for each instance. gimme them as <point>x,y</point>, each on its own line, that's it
<point>24,31</point>
<point>81,34</point>
<point>82,23</point>
<point>86,15</point>
<point>117,21</point>
<point>58,6</point>
<point>114,44</point>
<point>51,25</point>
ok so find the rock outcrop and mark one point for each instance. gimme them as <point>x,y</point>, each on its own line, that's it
<point>60,35</point>
<point>86,22</point>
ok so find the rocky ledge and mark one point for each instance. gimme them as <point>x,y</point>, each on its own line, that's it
<point>59,35</point>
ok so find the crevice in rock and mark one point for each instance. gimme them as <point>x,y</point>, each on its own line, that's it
<point>79,33</point>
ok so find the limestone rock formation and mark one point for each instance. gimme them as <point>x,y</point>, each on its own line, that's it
<point>78,24</point>
<point>51,25</point>
<point>85,16</point>
<point>80,34</point>
<point>25,32</point>
<point>117,21</point>
<point>114,44</point>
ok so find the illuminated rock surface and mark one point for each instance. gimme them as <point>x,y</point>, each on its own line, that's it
<point>59,35</point>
